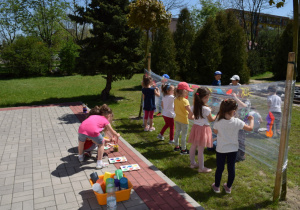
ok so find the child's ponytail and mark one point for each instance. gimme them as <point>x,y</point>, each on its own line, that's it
<point>227,105</point>
<point>198,102</point>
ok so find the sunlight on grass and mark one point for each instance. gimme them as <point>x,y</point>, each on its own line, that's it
<point>254,183</point>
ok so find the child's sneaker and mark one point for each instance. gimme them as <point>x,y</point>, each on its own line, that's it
<point>227,189</point>
<point>146,128</point>
<point>184,152</point>
<point>176,149</point>
<point>160,137</point>
<point>204,170</point>
<point>171,142</point>
<point>215,189</point>
<point>194,165</point>
<point>100,165</point>
<point>158,114</point>
<point>151,129</point>
<point>81,158</point>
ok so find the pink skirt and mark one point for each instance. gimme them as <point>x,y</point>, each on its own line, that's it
<point>201,136</point>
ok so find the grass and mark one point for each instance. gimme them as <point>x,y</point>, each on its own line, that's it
<point>254,183</point>
<point>265,76</point>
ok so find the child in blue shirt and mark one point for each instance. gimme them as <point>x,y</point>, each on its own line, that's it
<point>149,94</point>
<point>217,81</point>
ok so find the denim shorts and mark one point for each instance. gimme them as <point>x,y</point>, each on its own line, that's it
<point>98,139</point>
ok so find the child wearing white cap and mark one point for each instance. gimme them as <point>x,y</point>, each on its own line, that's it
<point>235,80</point>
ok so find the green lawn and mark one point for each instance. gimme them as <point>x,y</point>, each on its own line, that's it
<point>253,186</point>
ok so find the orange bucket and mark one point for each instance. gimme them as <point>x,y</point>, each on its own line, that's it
<point>121,195</point>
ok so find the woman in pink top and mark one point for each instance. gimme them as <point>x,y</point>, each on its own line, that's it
<point>99,119</point>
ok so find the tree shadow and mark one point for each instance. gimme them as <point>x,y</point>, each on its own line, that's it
<point>91,100</point>
<point>135,88</point>
<point>260,205</point>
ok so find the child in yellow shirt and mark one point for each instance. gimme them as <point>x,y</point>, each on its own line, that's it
<point>182,110</point>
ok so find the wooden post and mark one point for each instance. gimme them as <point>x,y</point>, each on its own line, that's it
<point>295,32</point>
<point>285,120</point>
<point>149,69</point>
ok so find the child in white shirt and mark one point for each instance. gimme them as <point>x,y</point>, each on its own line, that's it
<point>227,128</point>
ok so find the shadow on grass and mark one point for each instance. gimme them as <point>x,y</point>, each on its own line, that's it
<point>135,88</point>
<point>260,205</point>
<point>91,100</point>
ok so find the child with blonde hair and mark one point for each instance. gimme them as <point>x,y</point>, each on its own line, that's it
<point>182,110</point>
<point>227,128</point>
<point>201,134</point>
<point>168,111</point>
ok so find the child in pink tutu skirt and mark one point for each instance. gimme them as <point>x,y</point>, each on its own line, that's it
<point>201,134</point>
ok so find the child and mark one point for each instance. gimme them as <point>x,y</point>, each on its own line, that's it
<point>201,135</point>
<point>244,106</point>
<point>158,100</point>
<point>182,110</point>
<point>92,127</point>
<point>235,80</point>
<point>257,119</point>
<point>274,104</point>
<point>217,81</point>
<point>227,128</point>
<point>149,102</point>
<point>168,111</point>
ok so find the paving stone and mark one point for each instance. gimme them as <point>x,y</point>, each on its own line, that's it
<point>17,206</point>
<point>44,204</point>
<point>28,205</point>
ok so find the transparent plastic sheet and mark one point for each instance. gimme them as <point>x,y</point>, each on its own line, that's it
<point>264,148</point>
<point>285,160</point>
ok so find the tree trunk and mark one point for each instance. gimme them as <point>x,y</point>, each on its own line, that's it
<point>105,92</point>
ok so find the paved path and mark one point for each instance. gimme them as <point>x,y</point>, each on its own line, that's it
<point>39,168</point>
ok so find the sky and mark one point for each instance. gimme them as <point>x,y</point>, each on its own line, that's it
<point>286,11</point>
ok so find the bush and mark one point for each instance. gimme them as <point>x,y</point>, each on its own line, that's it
<point>163,53</point>
<point>68,55</point>
<point>281,57</point>
<point>27,56</point>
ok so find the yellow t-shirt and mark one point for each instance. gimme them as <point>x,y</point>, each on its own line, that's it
<point>181,113</point>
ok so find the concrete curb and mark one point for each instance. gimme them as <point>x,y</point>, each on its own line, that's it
<point>164,177</point>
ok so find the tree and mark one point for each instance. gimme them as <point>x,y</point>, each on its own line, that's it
<point>220,45</point>
<point>261,58</point>
<point>114,48</point>
<point>68,55</point>
<point>233,41</point>
<point>148,15</point>
<point>209,8</point>
<point>78,30</point>
<point>174,4</point>
<point>206,54</point>
<point>285,46</point>
<point>251,10</point>
<point>184,38</point>
<point>26,56</point>
<point>163,53</point>
<point>10,19</point>
<point>42,18</point>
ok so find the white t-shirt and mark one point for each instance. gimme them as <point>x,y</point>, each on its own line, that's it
<point>168,103</point>
<point>274,102</point>
<point>227,137</point>
<point>205,112</point>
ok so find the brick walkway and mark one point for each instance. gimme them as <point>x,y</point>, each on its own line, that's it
<point>39,168</point>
